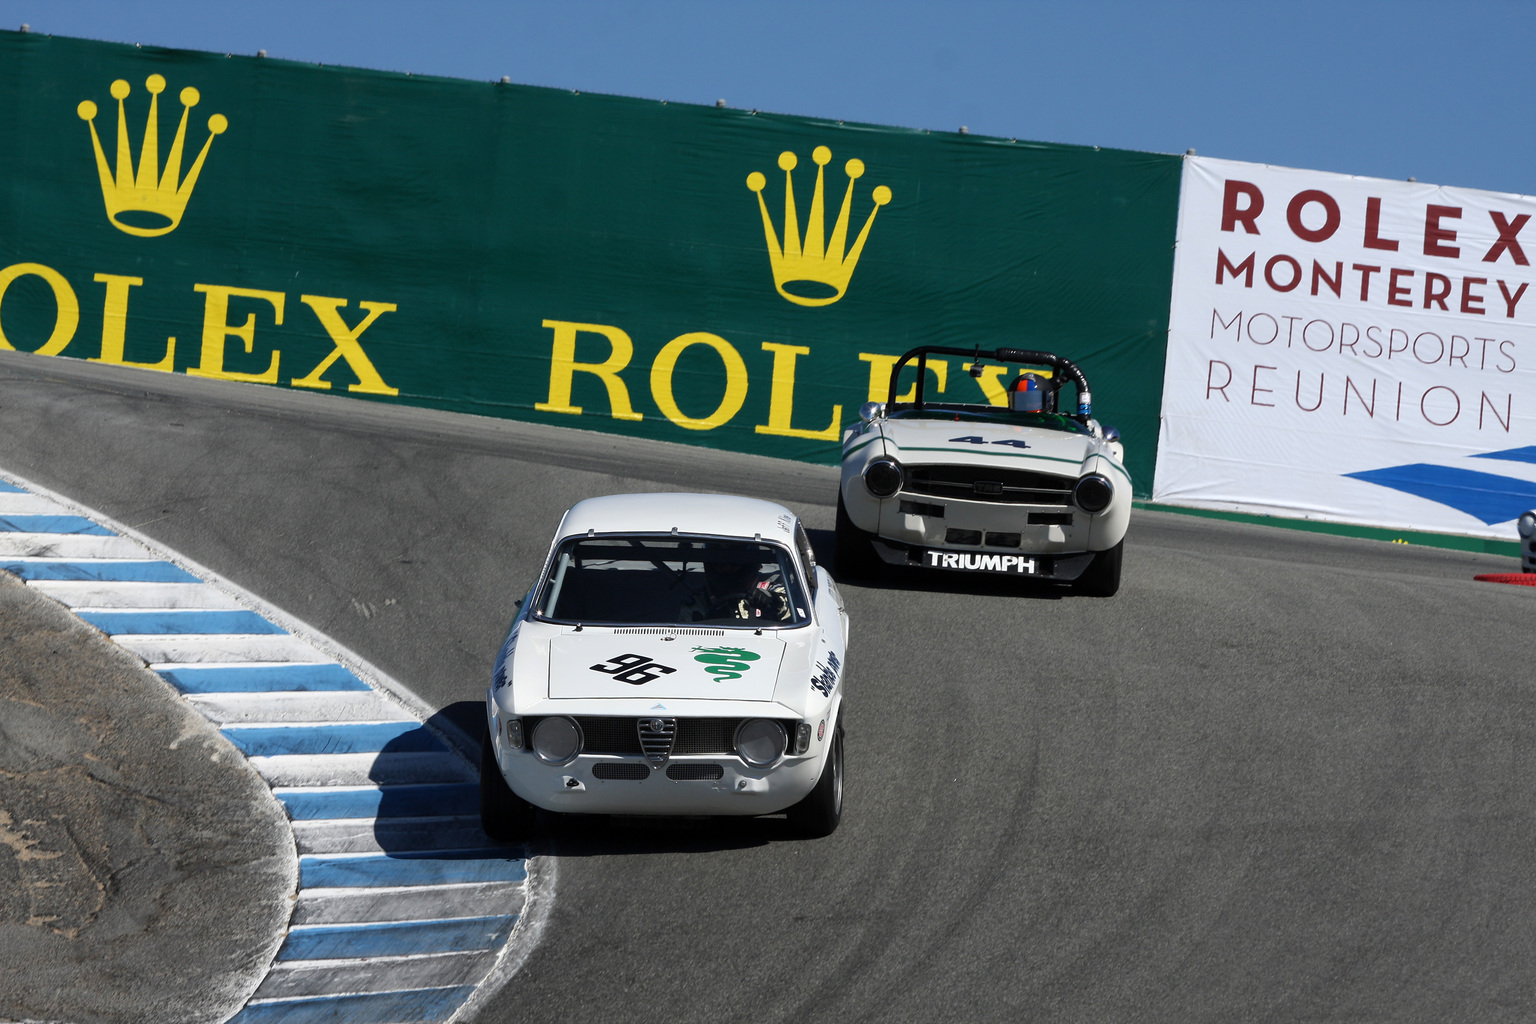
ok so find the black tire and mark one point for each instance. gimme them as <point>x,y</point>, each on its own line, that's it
<point>505,816</point>
<point>855,557</point>
<point>1102,577</point>
<point>822,809</point>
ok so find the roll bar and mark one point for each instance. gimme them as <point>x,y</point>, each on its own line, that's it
<point>1001,355</point>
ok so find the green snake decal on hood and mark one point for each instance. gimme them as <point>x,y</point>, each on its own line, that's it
<point>725,663</point>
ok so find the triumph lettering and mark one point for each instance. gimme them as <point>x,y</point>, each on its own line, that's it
<point>983,562</point>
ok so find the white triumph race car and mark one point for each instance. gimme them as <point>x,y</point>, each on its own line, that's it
<point>681,654</point>
<point>1019,488</point>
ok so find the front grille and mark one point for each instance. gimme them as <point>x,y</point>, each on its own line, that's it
<point>611,735</point>
<point>620,770</point>
<point>989,483</point>
<point>656,736</point>
<point>694,772</point>
<point>706,735</point>
<point>1050,519</point>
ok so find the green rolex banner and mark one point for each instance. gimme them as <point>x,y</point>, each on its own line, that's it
<point>717,277</point>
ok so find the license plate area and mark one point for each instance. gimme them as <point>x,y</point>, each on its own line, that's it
<point>982,561</point>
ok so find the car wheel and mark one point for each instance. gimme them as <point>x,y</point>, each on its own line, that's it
<point>504,815</point>
<point>856,559</point>
<point>1102,577</point>
<point>822,809</point>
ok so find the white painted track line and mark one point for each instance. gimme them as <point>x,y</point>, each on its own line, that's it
<point>280,707</point>
<point>93,594</point>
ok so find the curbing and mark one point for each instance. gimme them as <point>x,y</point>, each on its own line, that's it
<point>404,911</point>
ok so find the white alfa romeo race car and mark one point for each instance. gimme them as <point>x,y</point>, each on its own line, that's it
<point>1019,488</point>
<point>680,654</point>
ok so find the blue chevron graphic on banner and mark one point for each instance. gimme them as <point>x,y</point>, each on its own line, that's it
<point>1485,496</point>
<point>1526,454</point>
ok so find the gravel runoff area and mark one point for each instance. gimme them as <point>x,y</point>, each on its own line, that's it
<point>146,871</point>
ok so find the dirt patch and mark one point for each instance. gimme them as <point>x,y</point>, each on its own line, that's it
<point>146,872</point>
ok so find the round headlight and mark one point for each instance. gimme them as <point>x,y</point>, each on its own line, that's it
<point>760,741</point>
<point>557,741</point>
<point>883,477</point>
<point>1093,493</point>
<point>1527,524</point>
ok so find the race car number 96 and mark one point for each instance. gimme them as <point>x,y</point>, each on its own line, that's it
<point>634,669</point>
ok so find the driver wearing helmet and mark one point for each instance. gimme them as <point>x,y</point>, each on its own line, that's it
<point>738,590</point>
<point>1031,392</point>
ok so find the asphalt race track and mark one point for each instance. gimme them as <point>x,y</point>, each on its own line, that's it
<point>1279,777</point>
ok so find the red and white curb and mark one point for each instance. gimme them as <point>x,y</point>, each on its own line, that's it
<point>404,911</point>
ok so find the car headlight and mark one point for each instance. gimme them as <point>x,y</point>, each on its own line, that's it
<point>882,477</point>
<point>760,742</point>
<point>1093,493</point>
<point>557,740</point>
<point>802,738</point>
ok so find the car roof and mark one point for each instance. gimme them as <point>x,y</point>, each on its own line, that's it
<point>726,515</point>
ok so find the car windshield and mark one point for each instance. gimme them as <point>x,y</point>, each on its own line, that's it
<point>668,581</point>
<point>989,414</point>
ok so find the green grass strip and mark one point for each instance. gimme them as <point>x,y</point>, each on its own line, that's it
<point>1453,542</point>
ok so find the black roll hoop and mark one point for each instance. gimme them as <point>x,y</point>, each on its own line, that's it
<point>1001,355</point>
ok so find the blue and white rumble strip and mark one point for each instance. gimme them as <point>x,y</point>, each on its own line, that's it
<point>404,910</point>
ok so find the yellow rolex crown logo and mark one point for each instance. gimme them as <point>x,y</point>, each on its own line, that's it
<point>805,272</point>
<point>150,202</point>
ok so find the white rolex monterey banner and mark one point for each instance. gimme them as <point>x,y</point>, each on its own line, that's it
<point>1351,349</point>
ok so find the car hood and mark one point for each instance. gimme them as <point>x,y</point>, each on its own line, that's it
<point>916,441</point>
<point>740,665</point>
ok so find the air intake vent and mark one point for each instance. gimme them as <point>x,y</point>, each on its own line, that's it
<point>656,736</point>
<point>694,772</point>
<point>921,508</point>
<point>620,770</point>
<point>669,631</point>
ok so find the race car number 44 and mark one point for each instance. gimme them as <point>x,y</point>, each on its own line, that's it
<point>1022,564</point>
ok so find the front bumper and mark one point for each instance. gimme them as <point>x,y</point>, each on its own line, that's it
<point>575,788</point>
<point>919,520</point>
<point>1060,568</point>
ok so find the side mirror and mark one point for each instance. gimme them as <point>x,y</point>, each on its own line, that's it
<point>871,410</point>
<point>1111,434</point>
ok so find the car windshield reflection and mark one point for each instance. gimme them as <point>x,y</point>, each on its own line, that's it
<point>672,581</point>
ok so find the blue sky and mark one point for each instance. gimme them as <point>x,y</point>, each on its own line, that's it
<point>1443,92</point>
